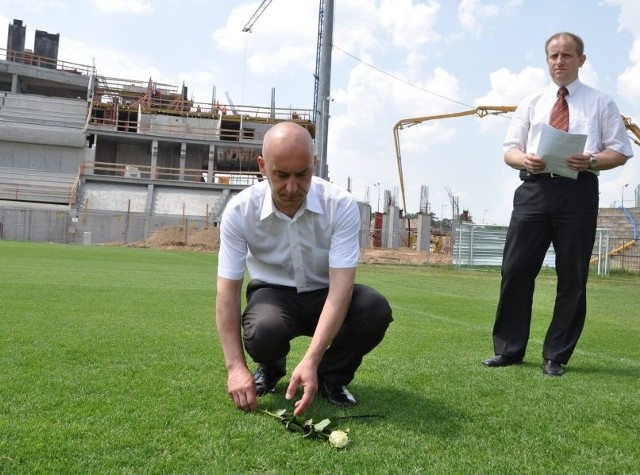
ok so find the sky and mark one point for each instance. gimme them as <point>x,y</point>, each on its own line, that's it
<point>391,60</point>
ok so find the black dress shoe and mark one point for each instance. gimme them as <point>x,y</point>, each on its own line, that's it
<point>500,360</point>
<point>337,394</point>
<point>266,379</point>
<point>552,368</point>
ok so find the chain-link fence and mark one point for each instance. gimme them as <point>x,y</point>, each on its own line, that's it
<point>67,226</point>
<point>90,227</point>
<point>480,245</point>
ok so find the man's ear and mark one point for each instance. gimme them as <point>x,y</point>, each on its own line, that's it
<point>583,58</point>
<point>261,163</point>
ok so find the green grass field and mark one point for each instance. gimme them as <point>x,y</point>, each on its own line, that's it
<point>109,363</point>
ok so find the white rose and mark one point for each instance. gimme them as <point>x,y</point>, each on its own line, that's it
<point>338,439</point>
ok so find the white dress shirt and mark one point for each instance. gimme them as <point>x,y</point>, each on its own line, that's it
<point>591,112</point>
<point>296,252</point>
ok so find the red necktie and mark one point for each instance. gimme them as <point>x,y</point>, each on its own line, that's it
<point>560,111</point>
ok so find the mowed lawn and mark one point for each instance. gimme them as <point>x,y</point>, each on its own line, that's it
<point>110,363</point>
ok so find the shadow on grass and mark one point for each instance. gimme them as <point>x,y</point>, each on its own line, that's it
<point>392,407</point>
<point>613,370</point>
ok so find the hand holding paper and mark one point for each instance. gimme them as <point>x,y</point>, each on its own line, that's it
<point>556,146</point>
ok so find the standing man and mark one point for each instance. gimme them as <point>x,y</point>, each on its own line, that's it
<point>548,208</point>
<point>299,238</point>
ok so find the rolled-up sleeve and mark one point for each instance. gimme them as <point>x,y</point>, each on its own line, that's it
<point>517,133</point>
<point>345,241</point>
<point>233,245</point>
<point>614,133</point>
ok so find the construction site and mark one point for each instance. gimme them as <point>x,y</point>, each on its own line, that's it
<point>89,159</point>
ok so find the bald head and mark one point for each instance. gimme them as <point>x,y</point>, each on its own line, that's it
<point>290,135</point>
<point>288,162</point>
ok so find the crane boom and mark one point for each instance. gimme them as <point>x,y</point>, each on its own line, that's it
<point>481,111</point>
<point>633,128</point>
<point>263,6</point>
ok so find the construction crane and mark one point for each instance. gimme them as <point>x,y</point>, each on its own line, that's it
<point>633,128</point>
<point>316,76</point>
<point>263,6</point>
<point>321,77</point>
<point>260,10</point>
<point>481,111</point>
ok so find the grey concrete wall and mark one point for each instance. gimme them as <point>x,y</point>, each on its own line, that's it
<point>113,197</point>
<point>160,200</point>
<point>36,119</point>
<point>132,154</point>
<point>36,109</point>
<point>37,134</point>
<point>106,152</point>
<point>32,224</point>
<point>32,119</point>
<point>169,155</point>
<point>39,157</point>
<point>190,202</point>
<point>68,226</point>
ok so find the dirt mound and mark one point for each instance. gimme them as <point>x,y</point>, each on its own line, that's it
<point>403,256</point>
<point>206,239</point>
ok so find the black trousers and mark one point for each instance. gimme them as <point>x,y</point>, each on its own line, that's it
<point>547,210</point>
<point>274,315</point>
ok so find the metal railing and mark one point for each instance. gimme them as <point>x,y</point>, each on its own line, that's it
<point>29,58</point>
<point>157,98</point>
<point>149,173</point>
<point>210,131</point>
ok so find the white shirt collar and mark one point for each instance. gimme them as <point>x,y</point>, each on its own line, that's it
<point>571,87</point>
<point>311,202</point>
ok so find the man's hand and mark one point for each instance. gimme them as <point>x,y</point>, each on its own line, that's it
<point>578,163</point>
<point>533,164</point>
<point>331,319</point>
<point>242,389</point>
<point>305,375</point>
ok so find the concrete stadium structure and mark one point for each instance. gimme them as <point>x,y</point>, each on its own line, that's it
<point>83,153</point>
<point>91,159</point>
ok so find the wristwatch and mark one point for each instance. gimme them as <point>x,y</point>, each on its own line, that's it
<point>593,161</point>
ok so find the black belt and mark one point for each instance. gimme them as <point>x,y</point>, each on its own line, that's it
<point>526,176</point>
<point>548,175</point>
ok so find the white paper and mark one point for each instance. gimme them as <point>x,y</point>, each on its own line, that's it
<point>556,146</point>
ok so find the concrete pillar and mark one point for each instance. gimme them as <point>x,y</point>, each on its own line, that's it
<point>90,157</point>
<point>15,84</point>
<point>148,207</point>
<point>212,154</point>
<point>183,159</point>
<point>365,224</point>
<point>154,160</point>
<point>394,228</point>
<point>423,242</point>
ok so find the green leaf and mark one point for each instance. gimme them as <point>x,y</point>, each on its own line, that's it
<point>322,425</point>
<point>306,428</point>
